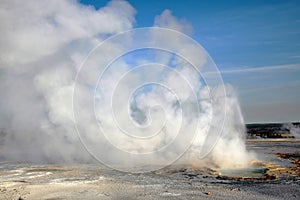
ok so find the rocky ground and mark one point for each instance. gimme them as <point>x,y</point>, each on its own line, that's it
<point>277,178</point>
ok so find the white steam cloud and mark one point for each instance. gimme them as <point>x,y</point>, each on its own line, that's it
<point>294,129</point>
<point>42,45</point>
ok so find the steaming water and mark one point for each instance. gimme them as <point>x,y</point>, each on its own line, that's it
<point>245,172</point>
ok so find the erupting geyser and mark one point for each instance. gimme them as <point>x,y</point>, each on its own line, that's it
<point>157,102</point>
<point>140,100</point>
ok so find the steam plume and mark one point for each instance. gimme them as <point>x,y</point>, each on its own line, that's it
<point>42,45</point>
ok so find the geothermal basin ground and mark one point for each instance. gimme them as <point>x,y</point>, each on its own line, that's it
<point>275,176</point>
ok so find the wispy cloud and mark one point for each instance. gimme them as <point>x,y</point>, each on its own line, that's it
<point>287,86</point>
<point>261,69</point>
<point>245,70</point>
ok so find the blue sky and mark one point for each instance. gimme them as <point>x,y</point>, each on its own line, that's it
<point>255,44</point>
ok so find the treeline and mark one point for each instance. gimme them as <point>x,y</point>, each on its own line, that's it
<point>271,130</point>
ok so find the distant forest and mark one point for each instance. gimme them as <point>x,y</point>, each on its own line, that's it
<point>272,130</point>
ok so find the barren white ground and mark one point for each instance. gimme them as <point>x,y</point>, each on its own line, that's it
<point>27,181</point>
